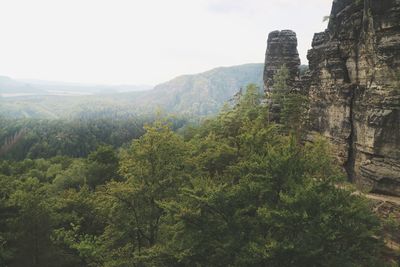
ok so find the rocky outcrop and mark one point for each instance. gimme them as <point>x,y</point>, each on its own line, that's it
<point>281,50</point>
<point>353,86</point>
<point>355,90</point>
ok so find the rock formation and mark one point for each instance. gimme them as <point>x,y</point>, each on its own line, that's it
<point>354,87</point>
<point>355,92</point>
<point>281,50</point>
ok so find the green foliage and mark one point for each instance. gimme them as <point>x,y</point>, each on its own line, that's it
<point>7,187</point>
<point>294,112</point>
<point>234,191</point>
<point>327,18</point>
<point>304,229</point>
<point>33,225</point>
<point>292,105</point>
<point>73,177</point>
<point>102,166</point>
<point>72,138</point>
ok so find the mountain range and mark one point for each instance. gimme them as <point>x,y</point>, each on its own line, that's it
<point>193,95</point>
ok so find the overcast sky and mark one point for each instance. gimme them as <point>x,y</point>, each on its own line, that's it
<point>144,41</point>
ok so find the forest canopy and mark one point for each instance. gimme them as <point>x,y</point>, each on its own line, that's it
<point>236,190</point>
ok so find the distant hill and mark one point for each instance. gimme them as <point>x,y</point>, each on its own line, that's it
<point>192,95</point>
<point>203,93</point>
<point>11,87</point>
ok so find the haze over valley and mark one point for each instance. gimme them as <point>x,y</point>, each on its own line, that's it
<point>192,95</point>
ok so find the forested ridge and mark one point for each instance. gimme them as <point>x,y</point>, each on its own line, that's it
<point>194,95</point>
<point>236,190</point>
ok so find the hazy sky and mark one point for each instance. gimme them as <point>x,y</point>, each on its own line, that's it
<point>144,41</point>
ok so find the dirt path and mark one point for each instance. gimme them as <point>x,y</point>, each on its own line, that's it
<point>385,198</point>
<point>392,245</point>
<point>380,197</point>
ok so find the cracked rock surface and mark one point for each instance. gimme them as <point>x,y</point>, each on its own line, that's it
<point>355,90</point>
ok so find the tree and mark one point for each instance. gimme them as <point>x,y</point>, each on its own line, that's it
<point>32,226</point>
<point>75,176</point>
<point>102,166</point>
<point>278,207</point>
<point>237,191</point>
<point>78,224</point>
<point>288,105</point>
<point>213,156</point>
<point>280,91</point>
<point>153,169</point>
<point>7,213</point>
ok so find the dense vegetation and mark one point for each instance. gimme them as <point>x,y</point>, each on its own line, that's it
<point>119,105</point>
<point>238,190</point>
<point>35,138</point>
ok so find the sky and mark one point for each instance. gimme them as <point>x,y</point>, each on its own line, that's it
<point>144,41</point>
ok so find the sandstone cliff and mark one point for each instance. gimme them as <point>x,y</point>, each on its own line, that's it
<point>281,50</point>
<point>354,87</point>
<point>354,92</point>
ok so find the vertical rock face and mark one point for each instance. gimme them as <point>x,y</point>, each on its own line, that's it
<point>281,50</point>
<point>355,90</point>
